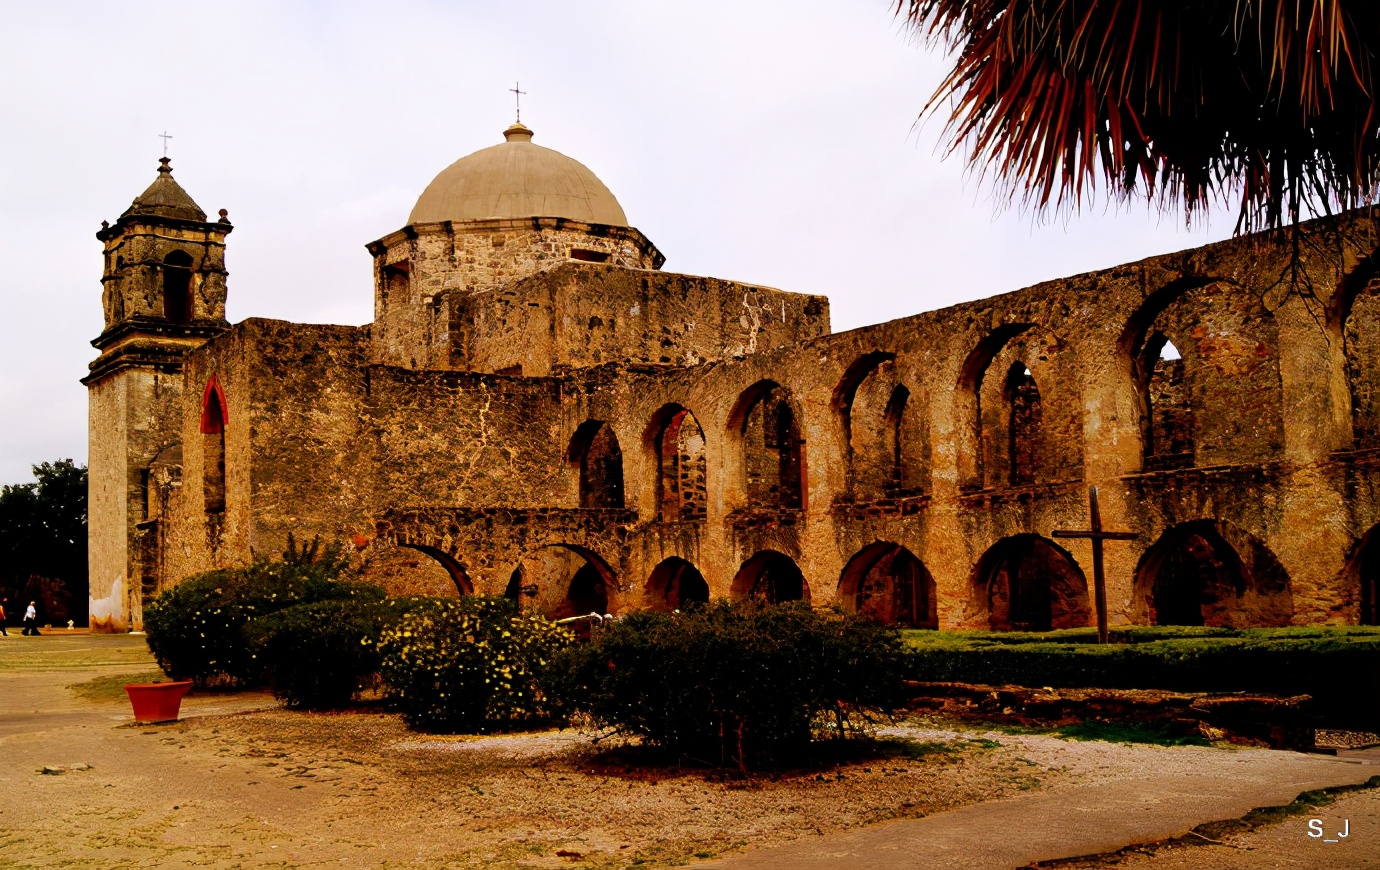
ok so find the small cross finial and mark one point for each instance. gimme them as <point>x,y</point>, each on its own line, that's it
<point>165,137</point>
<point>517,96</point>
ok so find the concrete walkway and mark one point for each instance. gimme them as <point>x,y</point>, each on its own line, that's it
<point>1194,786</point>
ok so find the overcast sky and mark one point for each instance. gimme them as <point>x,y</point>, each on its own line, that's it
<point>774,143</point>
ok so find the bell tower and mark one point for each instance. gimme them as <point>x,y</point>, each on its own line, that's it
<point>163,292</point>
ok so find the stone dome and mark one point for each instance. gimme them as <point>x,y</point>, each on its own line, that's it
<point>517,180</point>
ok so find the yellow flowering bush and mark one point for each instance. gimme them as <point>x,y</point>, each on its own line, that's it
<point>468,665</point>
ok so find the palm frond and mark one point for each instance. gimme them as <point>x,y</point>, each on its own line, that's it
<point>1182,101</point>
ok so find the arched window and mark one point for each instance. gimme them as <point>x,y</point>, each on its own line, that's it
<point>891,436</point>
<point>177,287</point>
<point>772,451</point>
<point>213,419</point>
<point>1024,424</point>
<point>595,449</point>
<point>681,468</point>
<point>1168,411</point>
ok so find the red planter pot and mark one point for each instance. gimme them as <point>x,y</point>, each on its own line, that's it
<point>157,702</point>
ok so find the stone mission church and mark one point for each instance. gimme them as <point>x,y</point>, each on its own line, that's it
<point>539,411</point>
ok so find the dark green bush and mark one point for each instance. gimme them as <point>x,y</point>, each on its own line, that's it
<point>1338,665</point>
<point>468,665</point>
<point>196,629</point>
<point>316,655</point>
<point>735,684</point>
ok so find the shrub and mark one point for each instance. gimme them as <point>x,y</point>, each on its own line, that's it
<point>316,655</point>
<point>196,629</point>
<point>734,683</point>
<point>1334,664</point>
<point>468,665</point>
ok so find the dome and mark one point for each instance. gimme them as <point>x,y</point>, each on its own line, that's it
<point>517,180</point>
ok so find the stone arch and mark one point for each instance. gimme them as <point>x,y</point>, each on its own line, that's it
<point>771,577</point>
<point>968,411</point>
<point>1362,577</point>
<point>595,452</point>
<point>457,572</point>
<point>676,443</point>
<point>887,581</point>
<point>1167,412</point>
<point>1028,583</point>
<point>1356,319</point>
<point>885,452</point>
<point>215,416</point>
<point>1209,572</point>
<point>764,425</point>
<point>1029,414</point>
<point>1226,385</point>
<point>562,580</point>
<point>177,287</point>
<point>674,584</point>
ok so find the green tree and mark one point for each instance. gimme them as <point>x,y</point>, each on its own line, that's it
<point>43,543</point>
<point>1182,101</point>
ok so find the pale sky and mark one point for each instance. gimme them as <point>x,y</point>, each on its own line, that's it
<point>768,142</point>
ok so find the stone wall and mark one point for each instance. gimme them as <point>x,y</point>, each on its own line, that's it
<point>134,416</point>
<point>577,315</point>
<point>960,438</point>
<point>420,272</point>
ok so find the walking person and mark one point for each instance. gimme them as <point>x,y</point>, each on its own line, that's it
<point>3,630</point>
<point>31,620</point>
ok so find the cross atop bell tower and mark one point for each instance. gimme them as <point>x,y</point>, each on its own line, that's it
<point>163,288</point>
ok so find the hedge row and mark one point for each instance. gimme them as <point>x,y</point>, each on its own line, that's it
<point>1338,665</point>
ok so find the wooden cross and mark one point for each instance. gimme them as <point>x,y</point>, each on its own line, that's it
<point>165,137</point>
<point>1097,535</point>
<point>518,92</point>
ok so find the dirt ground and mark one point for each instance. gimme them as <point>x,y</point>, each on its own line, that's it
<point>241,782</point>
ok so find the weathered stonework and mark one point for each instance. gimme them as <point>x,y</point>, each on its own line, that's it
<point>587,435</point>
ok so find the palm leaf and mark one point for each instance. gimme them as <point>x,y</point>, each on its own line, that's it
<point>1184,101</point>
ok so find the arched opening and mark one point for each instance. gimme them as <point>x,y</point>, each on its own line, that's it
<point>674,585</point>
<point>772,578</point>
<point>594,449</point>
<point>887,582</point>
<point>562,580</point>
<point>1024,440</point>
<point>893,417</point>
<point>453,567</point>
<point>1162,380</point>
<point>1208,572</point>
<point>1363,570</point>
<point>1028,583</point>
<point>516,590</point>
<point>973,429</point>
<point>1361,344</point>
<point>214,416</point>
<point>871,403</point>
<point>1204,360</point>
<point>177,287</point>
<point>678,447</point>
<point>772,447</point>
